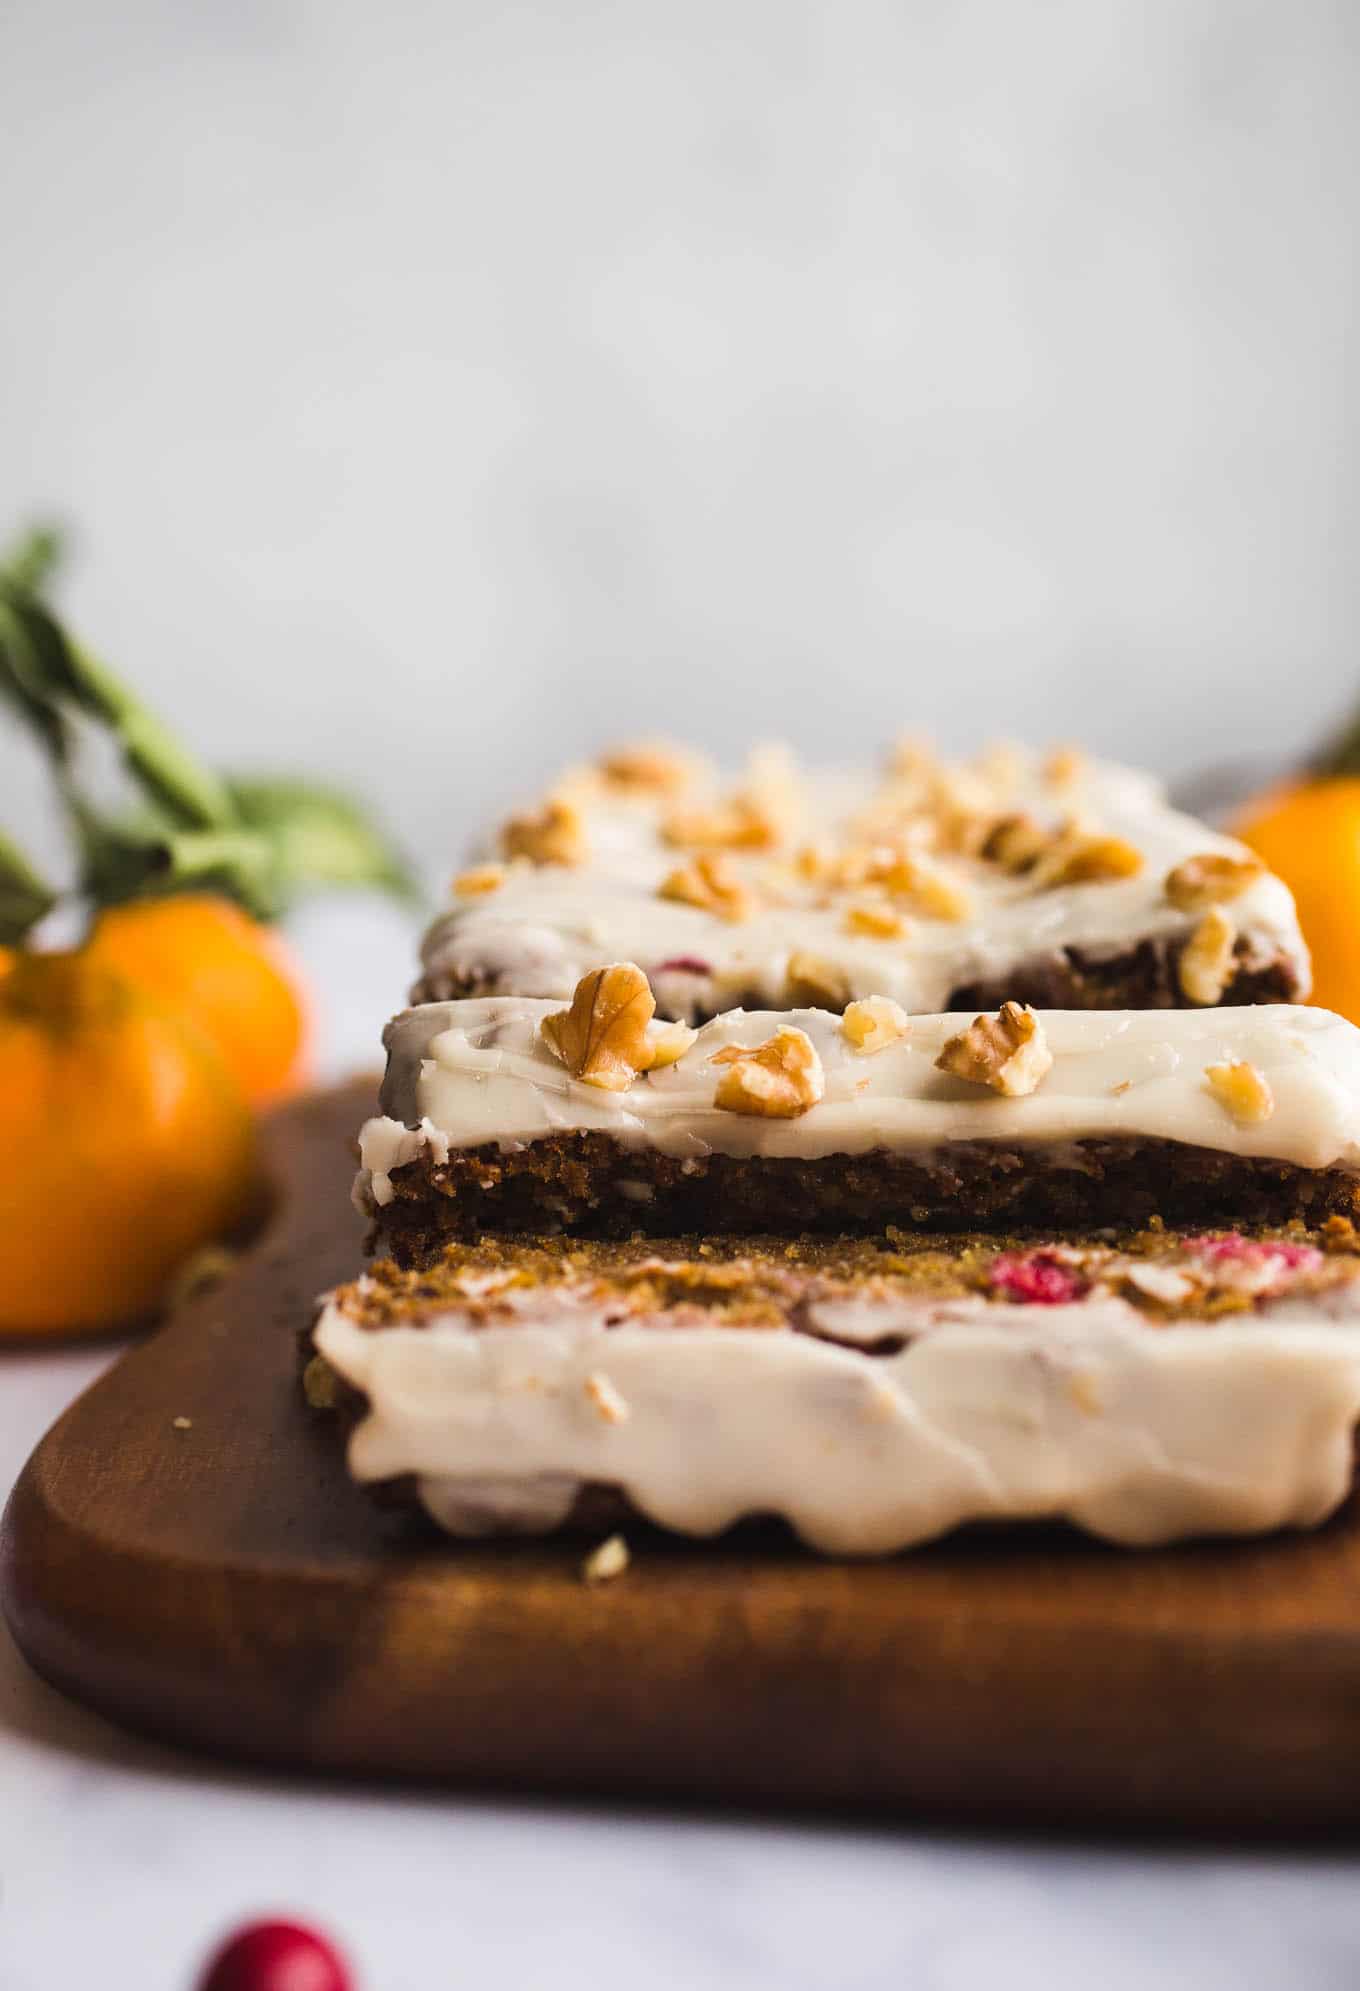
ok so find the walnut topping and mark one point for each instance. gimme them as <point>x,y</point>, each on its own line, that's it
<point>1064,767</point>
<point>1078,856</point>
<point>1007,1051</point>
<point>610,1559</point>
<point>481,878</point>
<point>742,822</point>
<point>814,983</point>
<point>813,863</point>
<point>1015,842</point>
<point>710,883</point>
<point>1001,765</point>
<point>933,893</point>
<point>911,758</point>
<point>874,1023</point>
<point>876,921</point>
<point>960,800</point>
<point>321,1385</point>
<point>1206,963</point>
<point>780,1078</point>
<point>906,874</point>
<point>602,1039</point>
<point>555,835</point>
<point>605,1398</point>
<point>668,1042</point>
<point>648,765</point>
<point>1243,1090</point>
<point>1211,880</point>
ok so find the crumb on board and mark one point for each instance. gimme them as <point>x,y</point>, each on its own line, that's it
<point>182,1423</point>
<point>610,1559</point>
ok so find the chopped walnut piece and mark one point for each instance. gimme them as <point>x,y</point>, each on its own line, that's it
<point>1015,842</point>
<point>1007,1051</point>
<point>1001,765</point>
<point>1064,766</point>
<point>780,1078</point>
<point>1078,856</point>
<point>668,1042</point>
<point>555,835</point>
<point>930,891</point>
<point>648,765</point>
<point>321,1385</point>
<point>875,921</point>
<point>605,1398</point>
<point>1243,1090</point>
<point>911,757</point>
<point>1206,963</point>
<point>1211,879</point>
<point>741,822</point>
<point>482,878</point>
<point>710,883</point>
<point>813,863</point>
<point>610,1559</point>
<point>960,802</point>
<point>874,1023</point>
<point>814,983</point>
<point>602,1039</point>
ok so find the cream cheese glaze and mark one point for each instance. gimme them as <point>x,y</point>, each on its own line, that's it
<point>465,1073</point>
<point>1141,1433</point>
<point>547,926</point>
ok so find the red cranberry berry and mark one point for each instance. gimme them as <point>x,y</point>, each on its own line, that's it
<point>683,964</point>
<point>1231,1248</point>
<point>276,1956</point>
<point>1036,1278</point>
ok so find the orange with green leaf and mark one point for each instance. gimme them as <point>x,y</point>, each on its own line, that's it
<point>130,1064</point>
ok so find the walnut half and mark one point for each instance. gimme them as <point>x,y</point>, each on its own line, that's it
<point>710,883</point>
<point>780,1078</point>
<point>1243,1090</point>
<point>1007,1051</point>
<point>648,765</point>
<point>1207,958</point>
<point>873,1023</point>
<point>603,1038</point>
<point>1211,879</point>
<point>555,835</point>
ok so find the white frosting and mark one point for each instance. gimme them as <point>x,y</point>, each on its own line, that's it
<point>544,928</point>
<point>1139,1433</point>
<point>465,1073</point>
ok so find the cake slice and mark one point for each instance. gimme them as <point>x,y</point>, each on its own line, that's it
<point>871,1396</point>
<point>512,1114</point>
<point>1057,881</point>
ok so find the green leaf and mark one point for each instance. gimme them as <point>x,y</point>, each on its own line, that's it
<point>30,669</point>
<point>35,557</point>
<point>25,897</point>
<point>141,855</point>
<point>166,771</point>
<point>42,671</point>
<point>321,838</point>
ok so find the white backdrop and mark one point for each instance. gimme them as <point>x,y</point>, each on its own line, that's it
<point>438,388</point>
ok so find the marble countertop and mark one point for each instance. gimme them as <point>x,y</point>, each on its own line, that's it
<point>121,1862</point>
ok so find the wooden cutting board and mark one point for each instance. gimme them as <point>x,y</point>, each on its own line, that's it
<point>226,1587</point>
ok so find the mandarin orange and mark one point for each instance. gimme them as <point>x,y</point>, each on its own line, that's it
<point>1309,833</point>
<point>127,1145</point>
<point>204,957</point>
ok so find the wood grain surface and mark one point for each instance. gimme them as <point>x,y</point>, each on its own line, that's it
<point>226,1587</point>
